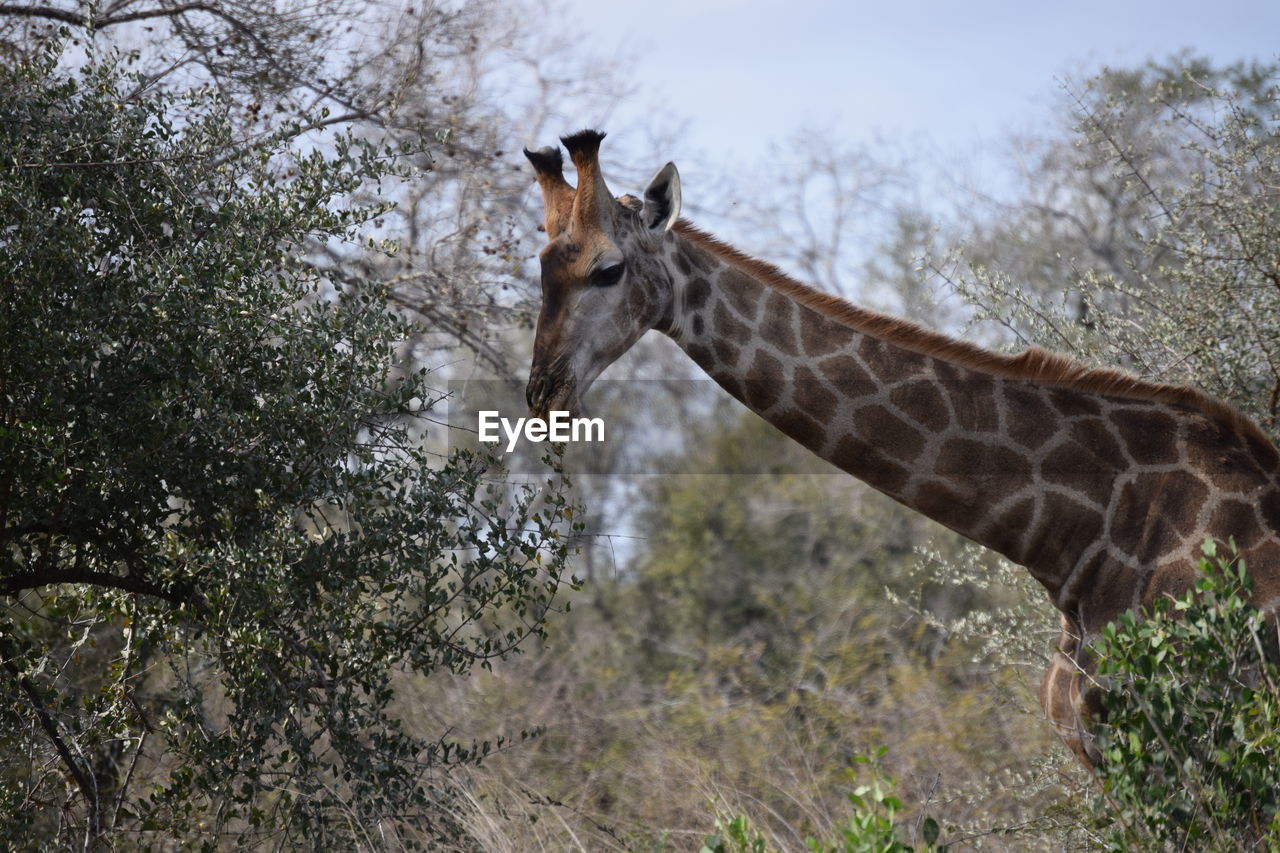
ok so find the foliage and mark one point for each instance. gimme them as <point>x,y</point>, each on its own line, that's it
<point>220,550</point>
<point>874,827</point>
<point>1191,748</point>
<point>455,81</point>
<point>1149,236</point>
<point>734,835</point>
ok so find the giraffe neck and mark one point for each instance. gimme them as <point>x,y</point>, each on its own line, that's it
<point>1056,477</point>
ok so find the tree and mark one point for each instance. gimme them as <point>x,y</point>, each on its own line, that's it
<point>462,83</point>
<point>825,220</point>
<point>1148,240</point>
<point>220,550</point>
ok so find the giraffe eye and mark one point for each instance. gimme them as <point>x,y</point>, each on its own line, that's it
<point>606,276</point>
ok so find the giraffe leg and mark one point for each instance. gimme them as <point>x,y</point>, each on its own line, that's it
<point>1069,697</point>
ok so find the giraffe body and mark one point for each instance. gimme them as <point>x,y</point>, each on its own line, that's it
<point>1101,485</point>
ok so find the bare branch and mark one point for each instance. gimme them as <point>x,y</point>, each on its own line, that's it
<point>83,780</point>
<point>54,14</point>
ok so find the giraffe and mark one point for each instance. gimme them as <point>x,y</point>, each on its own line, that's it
<point>1101,485</point>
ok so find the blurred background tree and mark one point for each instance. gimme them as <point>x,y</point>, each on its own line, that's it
<point>1147,238</point>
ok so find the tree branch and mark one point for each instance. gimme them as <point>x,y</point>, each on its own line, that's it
<point>81,20</point>
<point>13,584</point>
<point>53,14</point>
<point>83,780</point>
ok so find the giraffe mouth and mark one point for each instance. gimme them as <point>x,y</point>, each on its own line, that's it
<point>546,394</point>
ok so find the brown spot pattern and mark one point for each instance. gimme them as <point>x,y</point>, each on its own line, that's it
<point>846,373</point>
<point>1097,445</point>
<point>742,295</point>
<point>1066,527</point>
<point>1264,565</point>
<point>729,382</point>
<point>819,335</point>
<point>726,353</point>
<point>689,258</point>
<point>764,381</point>
<point>812,396</point>
<point>889,362</point>
<point>1028,417</point>
<point>697,292</point>
<point>682,262</point>
<point>1222,458</point>
<point>730,327</point>
<point>701,259</point>
<point>1239,521</point>
<point>865,460</point>
<point>1010,528</point>
<point>1071,402</point>
<point>1114,590</point>
<point>973,396</point>
<point>922,402</point>
<point>1171,580</point>
<point>1155,511</point>
<point>803,428</point>
<point>941,502</point>
<point>1149,435</point>
<point>1071,466</point>
<point>1269,507</point>
<point>1264,452</point>
<point>700,354</point>
<point>997,466</point>
<point>776,326</point>
<point>886,430</point>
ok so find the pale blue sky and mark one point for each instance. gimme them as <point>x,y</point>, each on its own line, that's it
<point>954,75</point>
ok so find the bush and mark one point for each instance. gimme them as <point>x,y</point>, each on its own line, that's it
<point>1191,749</point>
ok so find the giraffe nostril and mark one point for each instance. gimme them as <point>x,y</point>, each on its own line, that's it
<point>535,393</point>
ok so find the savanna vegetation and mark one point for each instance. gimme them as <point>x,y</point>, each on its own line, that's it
<point>252,599</point>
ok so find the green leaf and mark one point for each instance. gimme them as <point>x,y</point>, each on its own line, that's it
<point>929,831</point>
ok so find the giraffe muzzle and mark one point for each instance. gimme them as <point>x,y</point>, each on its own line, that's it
<point>546,393</point>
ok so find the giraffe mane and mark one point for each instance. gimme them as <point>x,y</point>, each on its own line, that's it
<point>1033,364</point>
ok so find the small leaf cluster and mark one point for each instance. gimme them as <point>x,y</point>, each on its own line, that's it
<point>875,826</point>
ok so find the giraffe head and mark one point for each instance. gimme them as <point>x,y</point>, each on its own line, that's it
<point>603,284</point>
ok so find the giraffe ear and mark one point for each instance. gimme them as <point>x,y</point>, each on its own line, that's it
<point>662,199</point>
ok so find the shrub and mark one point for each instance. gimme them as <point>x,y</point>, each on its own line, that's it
<point>1191,746</point>
<point>875,826</point>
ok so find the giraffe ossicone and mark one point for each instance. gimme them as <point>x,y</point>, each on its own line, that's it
<point>1102,485</point>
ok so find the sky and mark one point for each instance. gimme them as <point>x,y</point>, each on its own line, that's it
<point>955,76</point>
